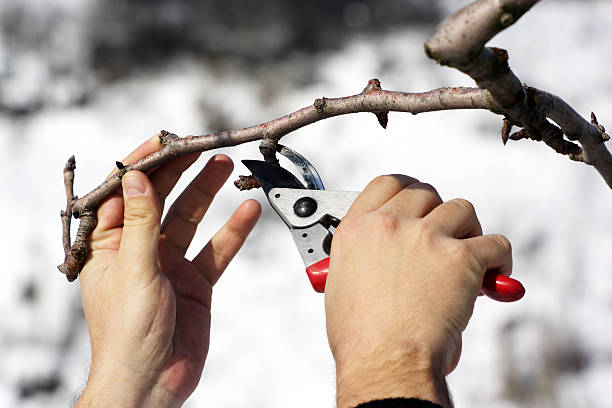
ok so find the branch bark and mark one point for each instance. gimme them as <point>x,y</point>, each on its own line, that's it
<point>459,42</point>
<point>66,215</point>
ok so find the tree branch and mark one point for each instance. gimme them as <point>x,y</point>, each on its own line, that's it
<point>67,214</point>
<point>459,42</point>
<point>323,108</point>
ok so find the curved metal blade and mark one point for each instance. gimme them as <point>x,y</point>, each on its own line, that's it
<point>272,176</point>
<point>306,169</point>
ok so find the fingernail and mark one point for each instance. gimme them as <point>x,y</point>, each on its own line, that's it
<point>133,185</point>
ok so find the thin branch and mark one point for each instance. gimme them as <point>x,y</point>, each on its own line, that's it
<point>66,215</point>
<point>375,101</point>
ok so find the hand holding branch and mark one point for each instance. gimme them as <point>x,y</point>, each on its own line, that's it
<point>147,307</point>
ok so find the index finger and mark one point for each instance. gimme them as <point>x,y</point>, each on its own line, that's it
<point>378,192</point>
<point>146,148</point>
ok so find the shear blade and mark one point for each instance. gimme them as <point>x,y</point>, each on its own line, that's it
<point>272,176</point>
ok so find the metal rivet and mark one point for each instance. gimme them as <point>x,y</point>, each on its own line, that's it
<point>305,207</point>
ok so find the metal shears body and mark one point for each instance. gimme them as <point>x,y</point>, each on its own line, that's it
<point>312,213</point>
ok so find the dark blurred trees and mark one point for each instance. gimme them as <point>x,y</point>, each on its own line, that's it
<point>58,53</point>
<point>129,34</point>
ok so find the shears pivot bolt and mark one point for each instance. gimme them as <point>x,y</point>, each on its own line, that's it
<point>305,207</point>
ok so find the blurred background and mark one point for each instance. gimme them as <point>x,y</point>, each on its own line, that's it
<point>96,78</point>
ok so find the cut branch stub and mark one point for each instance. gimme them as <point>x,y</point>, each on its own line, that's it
<point>246,183</point>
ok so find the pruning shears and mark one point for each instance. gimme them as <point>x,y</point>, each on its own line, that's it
<point>312,213</point>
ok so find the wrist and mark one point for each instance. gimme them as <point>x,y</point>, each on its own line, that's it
<point>378,377</point>
<point>113,388</point>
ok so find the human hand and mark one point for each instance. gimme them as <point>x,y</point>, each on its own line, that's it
<point>147,307</point>
<point>405,272</point>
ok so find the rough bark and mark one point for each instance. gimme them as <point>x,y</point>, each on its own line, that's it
<point>459,42</point>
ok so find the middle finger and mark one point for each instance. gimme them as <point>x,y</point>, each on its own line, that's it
<point>183,218</point>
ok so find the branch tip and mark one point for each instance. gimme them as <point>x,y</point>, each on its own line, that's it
<point>70,164</point>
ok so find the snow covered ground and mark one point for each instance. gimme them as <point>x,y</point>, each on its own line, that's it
<point>268,346</point>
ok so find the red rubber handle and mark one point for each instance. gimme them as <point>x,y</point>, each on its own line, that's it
<point>497,287</point>
<point>317,273</point>
<point>502,288</point>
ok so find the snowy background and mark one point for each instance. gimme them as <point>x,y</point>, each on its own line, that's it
<point>95,79</point>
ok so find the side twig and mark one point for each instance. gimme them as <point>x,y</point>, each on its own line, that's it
<point>66,215</point>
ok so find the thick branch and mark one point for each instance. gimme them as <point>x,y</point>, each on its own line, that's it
<point>459,41</point>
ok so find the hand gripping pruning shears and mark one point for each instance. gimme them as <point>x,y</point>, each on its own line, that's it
<point>312,213</point>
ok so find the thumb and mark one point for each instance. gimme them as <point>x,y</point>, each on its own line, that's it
<point>141,224</point>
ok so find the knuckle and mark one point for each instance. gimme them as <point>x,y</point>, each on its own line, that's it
<point>427,231</point>
<point>503,242</point>
<point>460,253</point>
<point>384,180</point>
<point>348,225</point>
<point>388,221</point>
<point>348,228</point>
<point>429,188</point>
<point>464,205</point>
<point>380,224</point>
<point>393,180</point>
<point>431,195</point>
